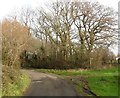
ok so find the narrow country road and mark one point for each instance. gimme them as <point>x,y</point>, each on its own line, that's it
<point>43,84</point>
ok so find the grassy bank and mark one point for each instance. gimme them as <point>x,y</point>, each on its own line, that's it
<point>18,87</point>
<point>104,85</point>
<point>102,82</point>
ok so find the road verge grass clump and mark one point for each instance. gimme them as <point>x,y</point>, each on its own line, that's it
<point>18,87</point>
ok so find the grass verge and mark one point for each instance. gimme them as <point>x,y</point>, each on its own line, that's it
<point>18,87</point>
<point>102,82</point>
<point>76,72</point>
<point>104,85</point>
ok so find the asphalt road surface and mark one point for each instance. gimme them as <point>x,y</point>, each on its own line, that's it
<point>43,84</point>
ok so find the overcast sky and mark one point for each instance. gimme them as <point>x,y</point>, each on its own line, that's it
<point>9,6</point>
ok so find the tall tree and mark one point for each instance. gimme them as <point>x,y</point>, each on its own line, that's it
<point>92,23</point>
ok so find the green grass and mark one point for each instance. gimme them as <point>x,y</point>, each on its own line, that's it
<point>104,85</point>
<point>102,82</point>
<point>18,87</point>
<point>0,92</point>
<point>104,72</point>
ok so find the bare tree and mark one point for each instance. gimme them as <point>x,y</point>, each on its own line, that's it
<point>73,28</point>
<point>14,37</point>
<point>95,24</point>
